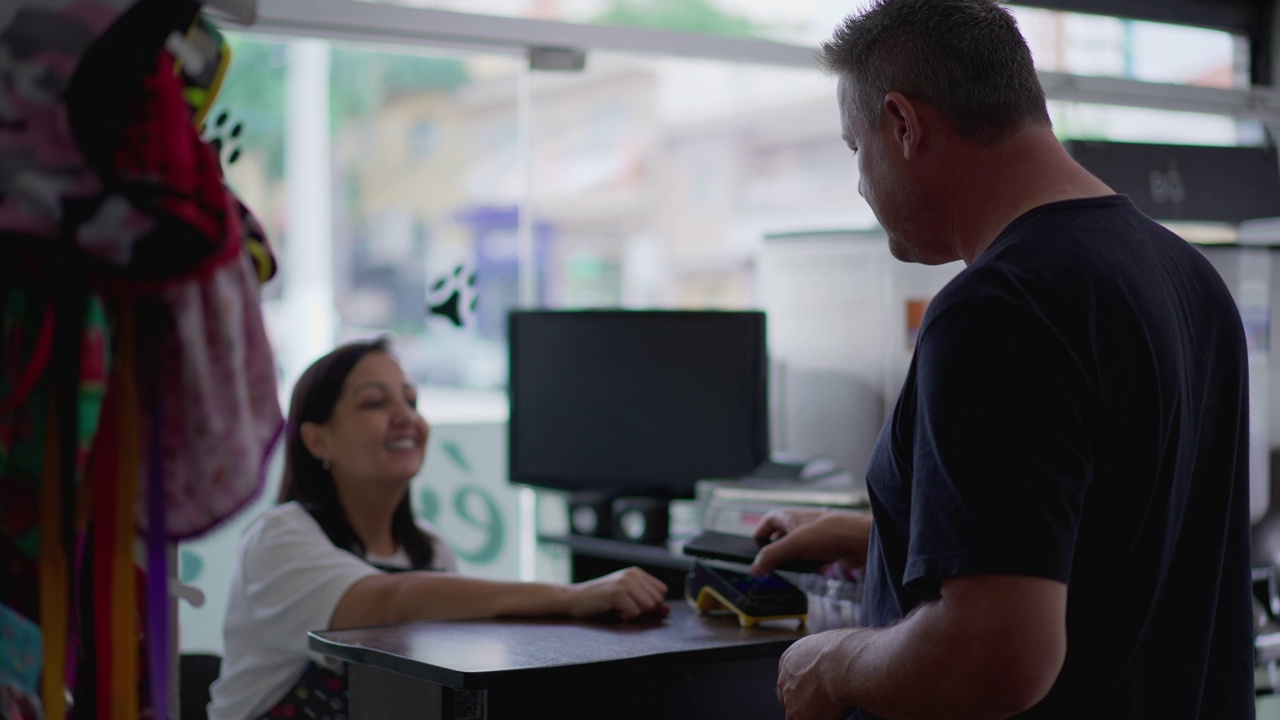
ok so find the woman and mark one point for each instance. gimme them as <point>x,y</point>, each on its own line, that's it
<point>343,550</point>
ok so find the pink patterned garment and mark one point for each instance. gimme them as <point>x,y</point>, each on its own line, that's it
<point>219,409</point>
<point>99,155</point>
<point>41,165</point>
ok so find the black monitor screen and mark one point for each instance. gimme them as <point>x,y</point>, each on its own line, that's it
<point>642,402</point>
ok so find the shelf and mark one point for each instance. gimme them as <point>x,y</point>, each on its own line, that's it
<point>621,551</point>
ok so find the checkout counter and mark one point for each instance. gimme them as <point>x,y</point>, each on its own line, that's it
<point>692,664</point>
<point>683,666</point>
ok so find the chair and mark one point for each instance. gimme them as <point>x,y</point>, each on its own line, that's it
<point>196,672</point>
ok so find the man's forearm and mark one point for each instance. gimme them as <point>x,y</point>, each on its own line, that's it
<point>927,666</point>
<point>898,674</point>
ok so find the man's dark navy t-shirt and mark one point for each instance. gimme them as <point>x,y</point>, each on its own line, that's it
<point>1077,410</point>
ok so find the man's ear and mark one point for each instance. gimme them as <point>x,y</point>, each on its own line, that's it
<point>314,439</point>
<point>904,122</point>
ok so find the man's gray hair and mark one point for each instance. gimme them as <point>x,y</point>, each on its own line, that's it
<point>965,58</point>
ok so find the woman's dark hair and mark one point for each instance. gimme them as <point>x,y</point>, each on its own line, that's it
<point>308,482</point>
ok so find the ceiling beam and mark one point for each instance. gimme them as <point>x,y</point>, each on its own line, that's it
<point>425,28</point>
<point>397,24</point>
<point>1242,17</point>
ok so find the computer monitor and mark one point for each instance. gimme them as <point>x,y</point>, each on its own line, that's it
<point>636,402</point>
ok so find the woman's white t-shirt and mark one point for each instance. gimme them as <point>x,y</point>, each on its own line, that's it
<point>288,580</point>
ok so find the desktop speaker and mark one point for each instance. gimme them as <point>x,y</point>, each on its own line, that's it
<point>641,520</point>
<point>591,514</point>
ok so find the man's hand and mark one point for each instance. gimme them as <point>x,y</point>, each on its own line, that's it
<point>812,534</point>
<point>803,689</point>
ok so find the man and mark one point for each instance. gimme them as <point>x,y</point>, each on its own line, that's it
<point>1060,495</point>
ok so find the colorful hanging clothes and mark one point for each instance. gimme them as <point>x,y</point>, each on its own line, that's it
<point>128,276</point>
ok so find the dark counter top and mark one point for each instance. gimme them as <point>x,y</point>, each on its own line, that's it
<point>502,653</point>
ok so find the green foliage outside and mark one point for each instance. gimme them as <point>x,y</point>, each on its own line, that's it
<point>361,81</point>
<point>685,15</point>
<point>253,92</point>
<point>364,80</point>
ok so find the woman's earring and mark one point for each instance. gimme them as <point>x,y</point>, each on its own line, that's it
<point>325,463</point>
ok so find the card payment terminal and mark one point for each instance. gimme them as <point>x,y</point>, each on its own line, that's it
<point>710,588</point>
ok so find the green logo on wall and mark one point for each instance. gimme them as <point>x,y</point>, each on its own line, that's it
<point>491,524</point>
<point>453,451</point>
<point>429,506</point>
<point>190,565</point>
<point>475,507</point>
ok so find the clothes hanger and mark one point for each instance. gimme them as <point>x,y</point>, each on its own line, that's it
<point>200,44</point>
<point>244,12</point>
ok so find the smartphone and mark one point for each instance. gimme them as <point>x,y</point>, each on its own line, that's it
<point>738,549</point>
